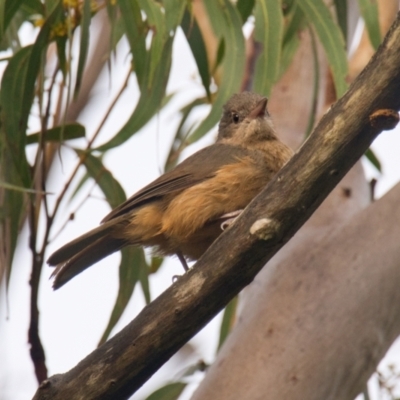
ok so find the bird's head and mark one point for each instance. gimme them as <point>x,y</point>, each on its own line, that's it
<point>245,119</point>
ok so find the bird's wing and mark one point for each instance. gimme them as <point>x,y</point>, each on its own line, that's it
<point>195,169</point>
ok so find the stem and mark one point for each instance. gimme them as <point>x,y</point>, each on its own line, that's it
<point>36,350</point>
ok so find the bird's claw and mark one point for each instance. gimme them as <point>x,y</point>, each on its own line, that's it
<point>232,217</point>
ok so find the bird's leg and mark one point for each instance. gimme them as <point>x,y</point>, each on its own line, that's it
<point>184,265</point>
<point>182,260</point>
<point>232,216</point>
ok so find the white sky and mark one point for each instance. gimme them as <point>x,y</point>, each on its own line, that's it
<point>74,317</point>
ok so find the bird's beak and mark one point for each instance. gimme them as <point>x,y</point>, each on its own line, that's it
<point>259,110</point>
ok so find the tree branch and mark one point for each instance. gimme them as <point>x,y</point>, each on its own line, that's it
<point>318,323</point>
<point>125,362</point>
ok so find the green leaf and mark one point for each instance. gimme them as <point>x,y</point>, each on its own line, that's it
<point>149,102</point>
<point>10,186</point>
<point>370,13</point>
<point>117,28</point>
<point>79,186</point>
<point>14,167</point>
<point>61,42</point>
<point>14,113</point>
<point>329,34</point>
<point>31,7</point>
<point>136,31</point>
<point>59,133</point>
<point>144,270</point>
<point>314,102</point>
<point>111,188</point>
<point>294,23</point>
<point>132,260</point>
<point>227,25</point>
<point>341,16</point>
<point>269,32</point>
<point>199,51</point>
<point>174,10</point>
<point>245,7</point>
<point>179,142</point>
<point>373,159</point>
<point>84,44</point>
<point>227,320</point>
<point>8,8</point>
<point>155,264</point>
<point>168,392</point>
<point>156,21</point>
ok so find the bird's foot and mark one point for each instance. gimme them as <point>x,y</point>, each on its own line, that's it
<point>232,217</point>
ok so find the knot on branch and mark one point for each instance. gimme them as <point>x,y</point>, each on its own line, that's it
<point>384,120</point>
<point>265,228</point>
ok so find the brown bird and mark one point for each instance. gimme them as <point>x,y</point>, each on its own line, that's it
<point>184,211</point>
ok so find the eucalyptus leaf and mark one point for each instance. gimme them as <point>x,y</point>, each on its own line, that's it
<point>370,13</point>
<point>331,38</point>
<point>58,133</point>
<point>198,48</point>
<point>226,23</point>
<point>84,44</point>
<point>132,261</point>
<point>269,32</point>
<point>171,391</point>
<point>228,320</point>
<point>149,102</point>
<point>371,156</point>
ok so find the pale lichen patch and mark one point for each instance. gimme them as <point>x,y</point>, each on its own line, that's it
<point>264,228</point>
<point>192,287</point>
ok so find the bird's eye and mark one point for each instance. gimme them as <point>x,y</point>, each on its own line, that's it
<point>235,118</point>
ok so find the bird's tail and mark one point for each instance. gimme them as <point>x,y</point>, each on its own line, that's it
<point>74,257</point>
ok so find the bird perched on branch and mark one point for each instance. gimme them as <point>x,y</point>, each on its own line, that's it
<point>185,210</point>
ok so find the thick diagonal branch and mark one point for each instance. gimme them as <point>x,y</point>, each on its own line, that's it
<point>125,362</point>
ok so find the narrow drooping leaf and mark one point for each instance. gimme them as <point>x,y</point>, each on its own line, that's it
<point>227,321</point>
<point>132,260</point>
<point>294,24</point>
<point>181,134</point>
<point>196,43</point>
<point>8,8</point>
<point>15,109</point>
<point>149,103</point>
<point>371,156</point>
<point>10,186</point>
<point>111,188</point>
<point>144,271</point>
<point>79,186</point>
<point>172,391</point>
<point>117,28</point>
<point>226,23</point>
<point>331,38</point>
<point>174,10</point>
<point>341,16</point>
<point>59,133</point>
<point>84,44</point>
<point>14,167</point>
<point>269,32</point>
<point>370,13</point>
<point>157,23</point>
<point>136,32</point>
<point>31,7</point>
<point>245,7</point>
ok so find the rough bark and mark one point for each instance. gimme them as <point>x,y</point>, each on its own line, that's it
<point>323,316</point>
<point>125,362</point>
<point>248,367</point>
